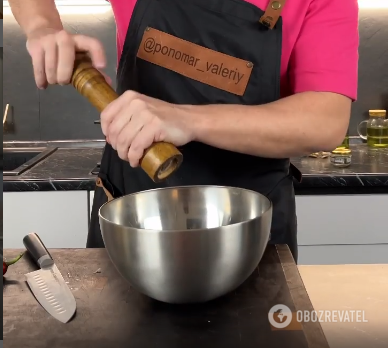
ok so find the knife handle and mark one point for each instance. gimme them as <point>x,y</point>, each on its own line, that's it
<point>37,250</point>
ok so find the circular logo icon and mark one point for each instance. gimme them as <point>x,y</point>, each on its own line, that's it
<point>280,316</point>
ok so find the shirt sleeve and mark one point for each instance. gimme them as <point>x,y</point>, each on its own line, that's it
<point>325,55</point>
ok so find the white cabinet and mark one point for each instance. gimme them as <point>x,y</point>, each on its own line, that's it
<point>340,229</point>
<point>60,218</point>
<point>91,198</point>
<point>342,219</point>
<point>343,254</point>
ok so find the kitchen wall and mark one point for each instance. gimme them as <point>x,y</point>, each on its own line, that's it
<point>58,112</point>
<point>61,113</point>
<point>373,65</point>
<point>1,96</point>
<point>1,57</point>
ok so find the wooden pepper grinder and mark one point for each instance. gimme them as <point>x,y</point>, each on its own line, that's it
<point>161,159</point>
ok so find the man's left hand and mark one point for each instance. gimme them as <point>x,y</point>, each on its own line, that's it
<point>133,122</point>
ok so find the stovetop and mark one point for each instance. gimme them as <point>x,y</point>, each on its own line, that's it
<point>96,169</point>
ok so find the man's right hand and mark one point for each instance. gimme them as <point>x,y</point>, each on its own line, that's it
<point>53,54</point>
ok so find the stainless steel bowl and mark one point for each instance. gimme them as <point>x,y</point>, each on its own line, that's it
<point>186,244</point>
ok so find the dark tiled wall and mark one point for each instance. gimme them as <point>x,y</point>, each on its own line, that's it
<point>60,113</point>
<point>373,65</point>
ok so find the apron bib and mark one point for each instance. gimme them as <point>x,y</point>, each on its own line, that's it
<point>204,52</point>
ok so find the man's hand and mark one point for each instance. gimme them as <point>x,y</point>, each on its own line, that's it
<point>133,122</point>
<point>53,54</point>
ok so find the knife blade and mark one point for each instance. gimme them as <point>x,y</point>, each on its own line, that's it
<point>47,283</point>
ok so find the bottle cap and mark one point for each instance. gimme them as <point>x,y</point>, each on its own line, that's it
<point>378,113</point>
<point>341,151</point>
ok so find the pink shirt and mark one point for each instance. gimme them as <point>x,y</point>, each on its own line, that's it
<point>320,44</point>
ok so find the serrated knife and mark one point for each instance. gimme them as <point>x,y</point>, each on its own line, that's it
<point>47,283</point>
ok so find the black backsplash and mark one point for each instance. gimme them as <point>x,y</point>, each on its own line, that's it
<point>373,65</point>
<point>59,113</point>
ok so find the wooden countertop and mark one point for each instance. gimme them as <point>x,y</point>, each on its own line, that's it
<point>112,314</point>
<point>330,288</point>
<point>346,288</point>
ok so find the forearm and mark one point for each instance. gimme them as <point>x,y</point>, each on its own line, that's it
<point>293,126</point>
<point>35,14</point>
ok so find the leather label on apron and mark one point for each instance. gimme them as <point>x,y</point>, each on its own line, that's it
<point>196,62</point>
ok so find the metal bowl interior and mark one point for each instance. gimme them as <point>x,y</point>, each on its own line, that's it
<point>185,208</point>
<point>186,244</point>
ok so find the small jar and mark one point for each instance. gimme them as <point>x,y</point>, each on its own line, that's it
<point>341,157</point>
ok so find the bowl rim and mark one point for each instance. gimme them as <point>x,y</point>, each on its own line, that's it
<point>270,208</point>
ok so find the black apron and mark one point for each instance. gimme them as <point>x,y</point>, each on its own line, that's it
<point>237,29</point>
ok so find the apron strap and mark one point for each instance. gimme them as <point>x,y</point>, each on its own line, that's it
<point>272,13</point>
<point>296,173</point>
<point>108,194</point>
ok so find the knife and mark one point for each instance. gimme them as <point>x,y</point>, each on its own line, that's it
<point>47,283</point>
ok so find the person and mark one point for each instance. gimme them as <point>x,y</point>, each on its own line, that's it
<point>239,86</point>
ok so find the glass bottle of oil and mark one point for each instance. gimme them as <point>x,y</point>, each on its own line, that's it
<point>376,129</point>
<point>345,143</point>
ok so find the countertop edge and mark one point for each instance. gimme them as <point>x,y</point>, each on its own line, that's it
<point>310,186</point>
<point>312,330</point>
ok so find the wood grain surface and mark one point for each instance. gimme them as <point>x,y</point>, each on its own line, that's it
<point>161,159</point>
<point>110,313</point>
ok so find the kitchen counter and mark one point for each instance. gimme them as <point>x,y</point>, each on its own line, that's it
<point>112,314</point>
<point>368,173</point>
<point>69,168</point>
